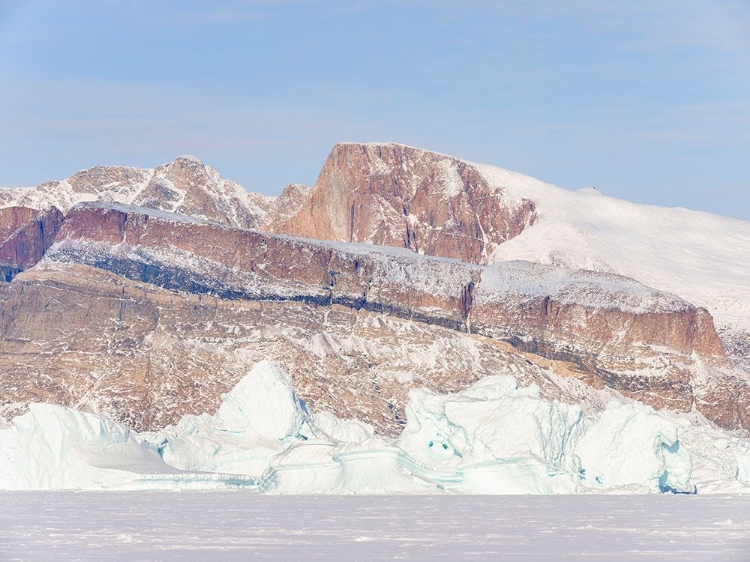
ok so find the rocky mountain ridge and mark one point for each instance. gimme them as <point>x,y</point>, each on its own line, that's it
<point>186,186</point>
<point>156,296</point>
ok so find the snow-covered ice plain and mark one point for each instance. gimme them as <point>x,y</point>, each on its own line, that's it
<point>242,525</point>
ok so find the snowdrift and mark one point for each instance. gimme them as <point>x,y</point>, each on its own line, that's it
<point>493,438</point>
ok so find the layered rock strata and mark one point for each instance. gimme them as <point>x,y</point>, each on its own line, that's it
<point>585,313</point>
<point>583,326</point>
<point>85,337</point>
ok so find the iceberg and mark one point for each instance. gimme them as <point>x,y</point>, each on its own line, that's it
<point>54,447</point>
<point>494,437</point>
<point>632,445</point>
<point>258,419</point>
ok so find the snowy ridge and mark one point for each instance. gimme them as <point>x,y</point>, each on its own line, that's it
<point>114,184</point>
<point>494,437</point>
<point>399,266</point>
<point>567,286</point>
<point>186,186</point>
<point>704,258</point>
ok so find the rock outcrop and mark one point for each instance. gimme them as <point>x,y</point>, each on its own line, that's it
<point>395,195</point>
<point>25,235</point>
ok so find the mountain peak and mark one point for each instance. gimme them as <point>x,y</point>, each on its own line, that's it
<point>188,159</point>
<point>396,195</point>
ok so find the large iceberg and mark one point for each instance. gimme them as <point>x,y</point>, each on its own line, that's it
<point>53,447</point>
<point>492,438</point>
<point>257,420</point>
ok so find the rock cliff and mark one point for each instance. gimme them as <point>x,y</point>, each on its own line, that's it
<point>376,321</point>
<point>25,235</point>
<point>395,195</point>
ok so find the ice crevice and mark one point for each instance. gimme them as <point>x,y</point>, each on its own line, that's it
<point>494,437</point>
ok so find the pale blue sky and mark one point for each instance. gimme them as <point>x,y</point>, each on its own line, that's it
<point>646,100</point>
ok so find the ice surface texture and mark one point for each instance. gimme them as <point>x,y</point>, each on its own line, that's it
<point>494,437</point>
<point>237,527</point>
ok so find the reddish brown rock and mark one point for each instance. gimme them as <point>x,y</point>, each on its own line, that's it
<point>599,329</point>
<point>25,235</point>
<point>87,338</point>
<point>396,195</point>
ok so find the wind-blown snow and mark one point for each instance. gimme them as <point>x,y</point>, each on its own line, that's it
<point>236,527</point>
<point>494,437</point>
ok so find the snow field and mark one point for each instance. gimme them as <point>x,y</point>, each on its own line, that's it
<point>228,526</point>
<point>701,257</point>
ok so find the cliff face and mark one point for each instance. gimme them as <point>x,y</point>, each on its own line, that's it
<point>25,235</point>
<point>586,311</point>
<point>395,195</point>
<point>234,294</point>
<point>146,356</point>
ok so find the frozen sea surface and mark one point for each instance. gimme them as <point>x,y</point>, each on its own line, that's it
<point>188,526</point>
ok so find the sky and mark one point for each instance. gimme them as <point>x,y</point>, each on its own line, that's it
<point>648,101</point>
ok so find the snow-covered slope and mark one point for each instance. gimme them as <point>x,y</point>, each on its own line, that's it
<point>704,258</point>
<point>186,186</point>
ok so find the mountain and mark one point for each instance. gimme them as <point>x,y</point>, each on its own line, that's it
<point>491,214</point>
<point>185,186</point>
<point>396,195</point>
<point>156,296</point>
